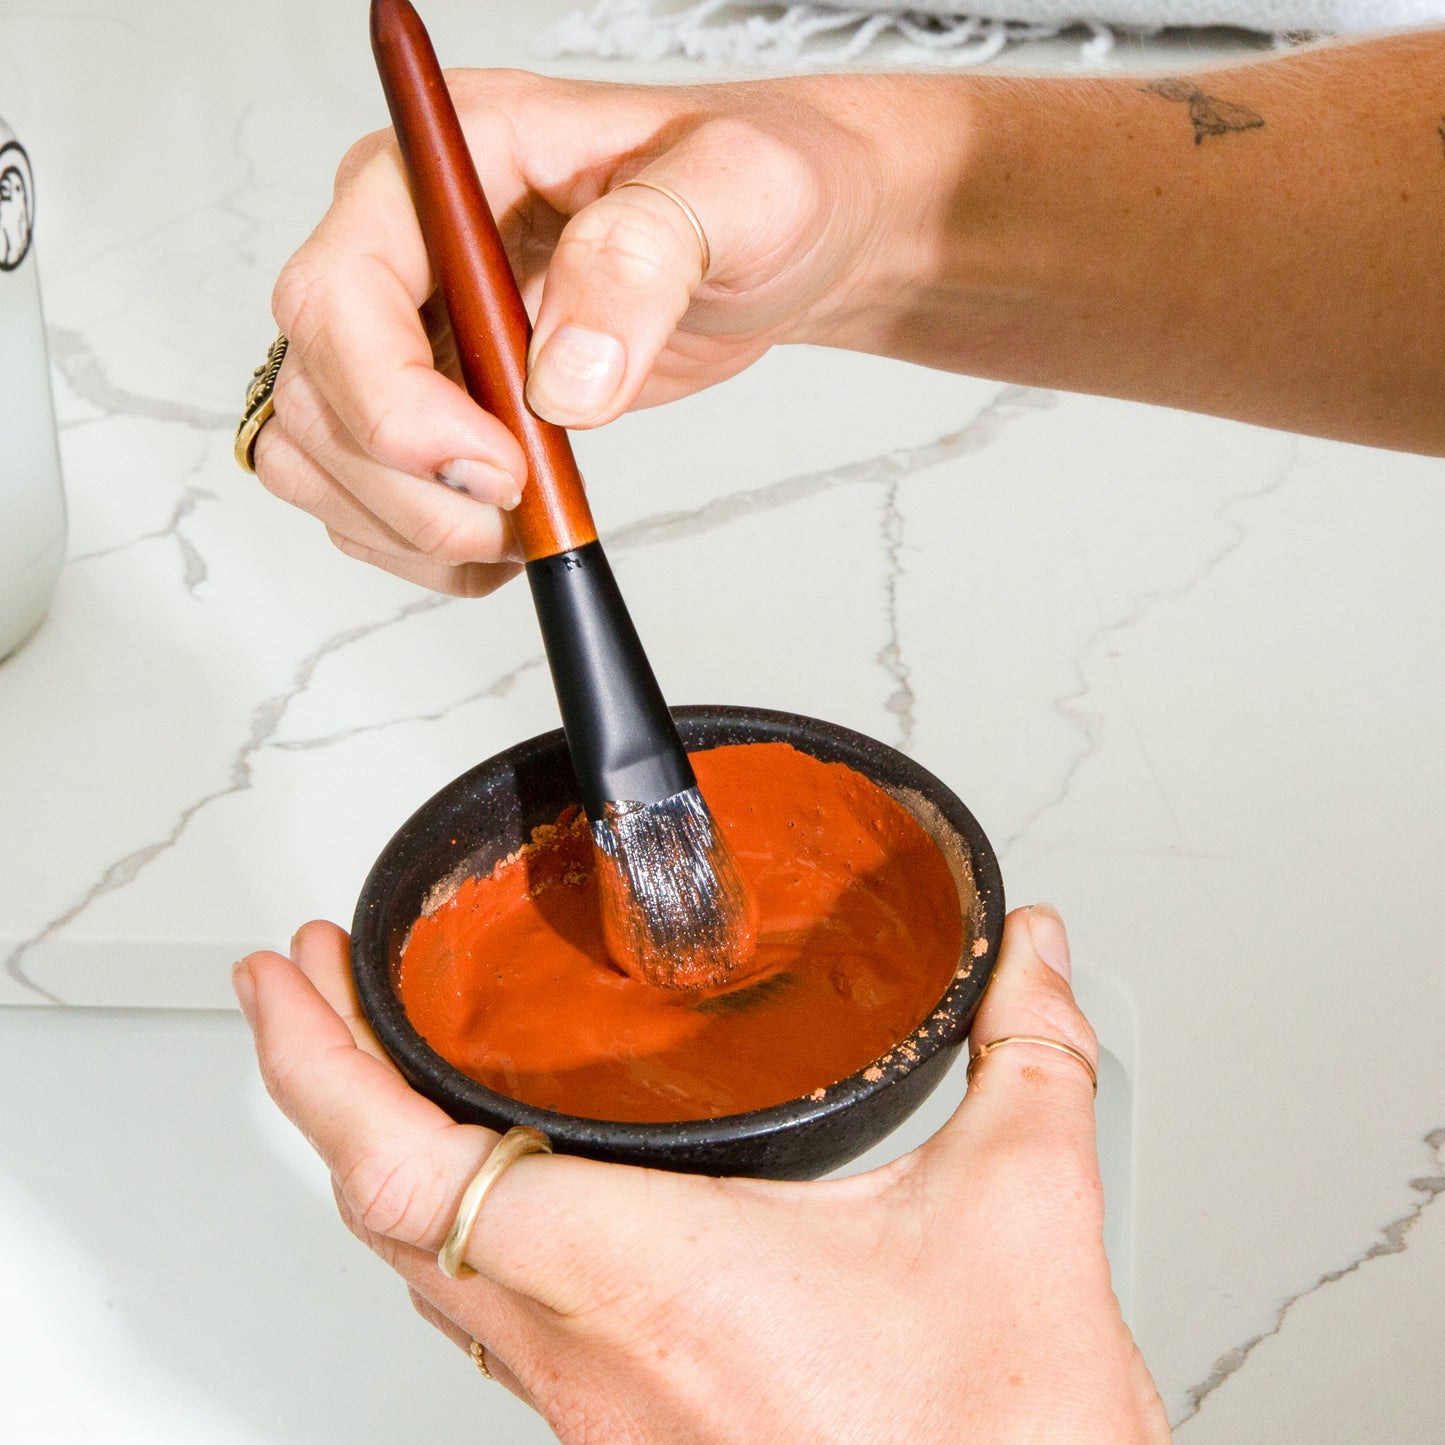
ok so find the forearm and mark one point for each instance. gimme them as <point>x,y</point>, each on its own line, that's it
<point>1262,242</point>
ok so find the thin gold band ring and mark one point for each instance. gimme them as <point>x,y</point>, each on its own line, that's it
<point>686,210</point>
<point>513,1145</point>
<point>984,1050</point>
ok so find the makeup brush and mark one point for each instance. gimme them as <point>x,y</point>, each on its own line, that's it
<point>674,909</point>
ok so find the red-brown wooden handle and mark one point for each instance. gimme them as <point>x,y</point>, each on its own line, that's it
<point>488,318</point>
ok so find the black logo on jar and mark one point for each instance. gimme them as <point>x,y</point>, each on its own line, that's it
<point>17,205</point>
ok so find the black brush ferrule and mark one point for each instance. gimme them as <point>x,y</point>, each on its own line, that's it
<point>623,741</point>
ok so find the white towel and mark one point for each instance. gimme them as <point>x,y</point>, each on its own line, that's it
<point>831,32</point>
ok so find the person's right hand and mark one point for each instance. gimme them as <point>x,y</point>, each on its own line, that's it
<point>793,183</point>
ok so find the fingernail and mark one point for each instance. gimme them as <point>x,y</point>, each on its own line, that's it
<point>1050,939</point>
<point>244,984</point>
<point>295,947</point>
<point>481,481</point>
<point>576,374</point>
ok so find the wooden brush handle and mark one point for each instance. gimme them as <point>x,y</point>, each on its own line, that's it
<point>488,319</point>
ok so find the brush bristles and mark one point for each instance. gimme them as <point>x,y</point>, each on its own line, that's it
<point>675,913</point>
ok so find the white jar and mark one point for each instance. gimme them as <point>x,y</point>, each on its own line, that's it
<point>32,504</point>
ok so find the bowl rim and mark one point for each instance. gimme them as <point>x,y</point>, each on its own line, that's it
<point>945,1026</point>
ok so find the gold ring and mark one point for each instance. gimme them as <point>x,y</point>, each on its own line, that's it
<point>509,1148</point>
<point>478,1351</point>
<point>260,403</point>
<point>984,1050</point>
<point>686,210</point>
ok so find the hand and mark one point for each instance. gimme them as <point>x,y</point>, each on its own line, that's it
<point>787,179</point>
<point>961,1292</point>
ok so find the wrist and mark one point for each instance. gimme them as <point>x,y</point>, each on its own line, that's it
<point>1000,224</point>
<point>911,152</point>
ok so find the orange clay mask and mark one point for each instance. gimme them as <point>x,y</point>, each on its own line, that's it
<point>859,935</point>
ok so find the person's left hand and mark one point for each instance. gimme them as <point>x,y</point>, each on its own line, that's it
<point>960,1292</point>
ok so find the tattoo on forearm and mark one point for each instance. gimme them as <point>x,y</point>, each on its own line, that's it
<point>1440,130</point>
<point>1209,114</point>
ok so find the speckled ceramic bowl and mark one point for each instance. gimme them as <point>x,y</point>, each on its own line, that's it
<point>489,812</point>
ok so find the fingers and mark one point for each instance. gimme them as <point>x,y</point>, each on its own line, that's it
<point>469,579</point>
<point>323,1064</point>
<point>627,266</point>
<point>288,472</point>
<point>558,1230</point>
<point>400,1161</point>
<point>1030,992</point>
<point>455,538</point>
<point>510,1327</point>
<point>516,1331</point>
<point>369,436</point>
<point>562,1231</point>
<point>349,301</point>
<point>437,1320</point>
<point>470,544</point>
<point>322,952</point>
<point>600,1241</point>
<point>1025,1095</point>
<point>362,400</point>
<point>497,1368</point>
<point>621,279</point>
<point>444,522</point>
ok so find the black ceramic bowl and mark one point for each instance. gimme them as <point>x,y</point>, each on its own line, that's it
<point>489,812</point>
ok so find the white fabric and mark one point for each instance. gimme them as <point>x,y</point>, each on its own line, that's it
<point>832,32</point>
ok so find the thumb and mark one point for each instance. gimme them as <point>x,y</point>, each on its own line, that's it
<point>620,280</point>
<point>1029,1091</point>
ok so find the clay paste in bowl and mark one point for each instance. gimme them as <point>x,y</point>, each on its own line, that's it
<point>443,856</point>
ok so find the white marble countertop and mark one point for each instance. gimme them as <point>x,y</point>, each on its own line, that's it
<point>1190,676</point>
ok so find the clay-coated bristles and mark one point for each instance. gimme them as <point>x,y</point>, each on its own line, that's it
<point>675,913</point>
